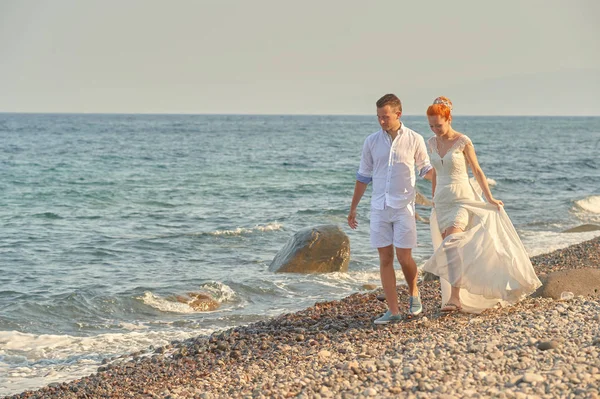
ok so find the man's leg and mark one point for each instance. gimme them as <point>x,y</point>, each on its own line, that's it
<point>409,268</point>
<point>382,234</point>
<point>405,239</point>
<point>388,277</point>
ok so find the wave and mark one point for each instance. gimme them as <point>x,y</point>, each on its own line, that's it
<point>541,242</point>
<point>589,204</point>
<point>159,204</point>
<point>164,304</point>
<point>317,211</point>
<point>219,292</point>
<point>217,233</point>
<point>29,361</point>
<point>332,285</point>
<point>520,179</point>
<point>240,230</point>
<point>47,215</point>
<point>356,278</point>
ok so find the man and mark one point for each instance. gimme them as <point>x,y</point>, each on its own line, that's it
<point>388,161</point>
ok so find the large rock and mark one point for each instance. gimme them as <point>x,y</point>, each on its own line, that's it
<point>583,228</point>
<point>578,281</point>
<point>320,249</point>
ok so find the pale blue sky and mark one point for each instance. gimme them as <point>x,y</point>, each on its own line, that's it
<point>510,57</point>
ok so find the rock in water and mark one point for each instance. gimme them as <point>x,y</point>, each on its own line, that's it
<point>426,276</point>
<point>198,301</point>
<point>420,199</point>
<point>320,249</point>
<point>421,219</point>
<point>584,281</point>
<point>583,228</point>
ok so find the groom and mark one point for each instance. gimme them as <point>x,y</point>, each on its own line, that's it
<point>388,161</point>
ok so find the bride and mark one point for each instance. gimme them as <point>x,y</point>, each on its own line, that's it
<point>478,255</point>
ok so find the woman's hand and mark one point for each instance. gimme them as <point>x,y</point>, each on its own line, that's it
<point>496,202</point>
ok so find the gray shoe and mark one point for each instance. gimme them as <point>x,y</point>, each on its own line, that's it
<point>415,307</point>
<point>388,318</point>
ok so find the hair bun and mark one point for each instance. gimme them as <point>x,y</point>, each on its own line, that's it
<point>444,101</point>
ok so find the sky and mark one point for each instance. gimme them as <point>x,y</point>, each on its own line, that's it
<point>510,57</point>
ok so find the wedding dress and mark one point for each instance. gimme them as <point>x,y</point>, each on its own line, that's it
<point>487,261</point>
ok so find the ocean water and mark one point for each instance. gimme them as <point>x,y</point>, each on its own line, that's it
<point>105,218</point>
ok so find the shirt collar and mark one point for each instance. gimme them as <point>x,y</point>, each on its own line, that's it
<point>400,130</point>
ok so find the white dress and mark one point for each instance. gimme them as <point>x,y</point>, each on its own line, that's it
<point>487,261</point>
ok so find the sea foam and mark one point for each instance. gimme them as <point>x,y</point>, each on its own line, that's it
<point>28,361</point>
<point>589,204</point>
<point>240,230</point>
<point>218,291</point>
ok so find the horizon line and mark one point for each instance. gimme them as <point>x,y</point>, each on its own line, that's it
<point>282,114</point>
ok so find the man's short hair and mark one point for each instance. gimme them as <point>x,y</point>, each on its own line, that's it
<point>390,99</point>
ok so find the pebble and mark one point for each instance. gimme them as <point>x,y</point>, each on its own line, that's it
<point>532,377</point>
<point>547,345</point>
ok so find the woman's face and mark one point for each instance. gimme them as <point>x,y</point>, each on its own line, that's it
<point>439,125</point>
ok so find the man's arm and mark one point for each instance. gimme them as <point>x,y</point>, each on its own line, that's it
<point>364,176</point>
<point>359,190</point>
<point>422,159</point>
<point>429,174</point>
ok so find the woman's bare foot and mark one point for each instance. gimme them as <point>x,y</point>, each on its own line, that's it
<point>451,307</point>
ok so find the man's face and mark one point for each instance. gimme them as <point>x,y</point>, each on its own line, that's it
<point>388,117</point>
<point>438,124</point>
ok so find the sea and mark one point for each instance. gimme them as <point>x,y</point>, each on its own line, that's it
<point>106,219</point>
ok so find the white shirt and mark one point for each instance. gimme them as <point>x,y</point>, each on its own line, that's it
<point>391,167</point>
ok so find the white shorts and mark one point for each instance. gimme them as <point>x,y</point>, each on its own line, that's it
<point>394,226</point>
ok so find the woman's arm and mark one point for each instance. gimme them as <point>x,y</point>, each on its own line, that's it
<point>469,152</point>
<point>433,176</point>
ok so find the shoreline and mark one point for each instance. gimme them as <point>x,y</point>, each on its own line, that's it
<point>332,349</point>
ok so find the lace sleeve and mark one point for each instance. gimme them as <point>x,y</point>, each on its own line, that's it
<point>431,145</point>
<point>464,141</point>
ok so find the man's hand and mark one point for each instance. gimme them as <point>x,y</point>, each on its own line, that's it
<point>352,219</point>
<point>359,190</point>
<point>429,174</point>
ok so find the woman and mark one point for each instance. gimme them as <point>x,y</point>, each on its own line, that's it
<point>478,255</point>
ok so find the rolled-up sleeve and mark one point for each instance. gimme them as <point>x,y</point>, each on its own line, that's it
<point>365,170</point>
<point>421,157</point>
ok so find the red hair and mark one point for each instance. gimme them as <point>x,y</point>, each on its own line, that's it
<point>441,106</point>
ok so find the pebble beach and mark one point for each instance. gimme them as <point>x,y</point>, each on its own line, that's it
<point>539,348</point>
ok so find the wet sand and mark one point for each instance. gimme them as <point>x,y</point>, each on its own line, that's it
<point>537,348</point>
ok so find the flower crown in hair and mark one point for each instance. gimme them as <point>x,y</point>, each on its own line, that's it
<point>440,100</point>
